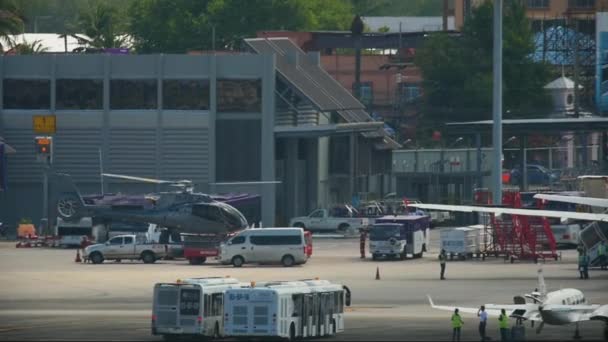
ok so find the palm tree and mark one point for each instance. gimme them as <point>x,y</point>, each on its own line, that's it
<point>101,23</point>
<point>10,21</point>
<point>24,47</point>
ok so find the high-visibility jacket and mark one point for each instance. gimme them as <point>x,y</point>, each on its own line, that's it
<point>504,321</point>
<point>601,250</point>
<point>457,321</point>
<point>583,260</point>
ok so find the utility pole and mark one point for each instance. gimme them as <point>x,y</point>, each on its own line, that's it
<point>445,15</point>
<point>356,30</point>
<point>497,104</point>
<point>576,71</point>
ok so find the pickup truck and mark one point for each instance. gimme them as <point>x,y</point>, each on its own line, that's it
<point>124,247</point>
<point>322,220</point>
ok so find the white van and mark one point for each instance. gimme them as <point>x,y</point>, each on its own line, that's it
<point>265,246</point>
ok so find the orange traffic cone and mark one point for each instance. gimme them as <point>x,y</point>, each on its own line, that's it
<point>377,273</point>
<point>78,256</point>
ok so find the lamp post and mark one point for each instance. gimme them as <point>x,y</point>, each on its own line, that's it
<point>497,104</point>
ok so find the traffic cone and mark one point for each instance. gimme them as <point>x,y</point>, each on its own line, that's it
<point>78,256</point>
<point>377,273</point>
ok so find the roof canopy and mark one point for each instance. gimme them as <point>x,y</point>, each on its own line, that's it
<point>531,126</point>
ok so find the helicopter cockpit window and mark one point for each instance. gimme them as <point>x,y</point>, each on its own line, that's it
<point>233,217</point>
<point>208,212</point>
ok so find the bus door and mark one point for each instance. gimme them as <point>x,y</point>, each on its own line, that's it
<point>315,314</point>
<point>307,318</point>
<point>189,308</point>
<point>324,310</point>
<point>165,306</point>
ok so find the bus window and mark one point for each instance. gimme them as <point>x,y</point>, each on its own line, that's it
<point>297,305</point>
<point>216,304</point>
<point>207,305</point>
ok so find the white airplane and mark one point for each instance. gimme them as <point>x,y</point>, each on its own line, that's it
<point>590,201</point>
<point>561,307</point>
<point>563,215</point>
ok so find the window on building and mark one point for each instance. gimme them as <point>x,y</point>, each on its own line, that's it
<point>366,92</point>
<point>240,96</point>
<point>26,94</point>
<point>238,152</point>
<point>581,3</point>
<point>133,94</point>
<point>79,94</point>
<point>408,92</point>
<point>537,3</point>
<point>186,94</point>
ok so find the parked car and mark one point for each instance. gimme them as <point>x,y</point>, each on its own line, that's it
<point>124,247</point>
<point>537,175</point>
<point>337,219</point>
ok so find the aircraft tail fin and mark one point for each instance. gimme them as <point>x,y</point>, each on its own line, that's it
<point>69,203</point>
<point>542,287</point>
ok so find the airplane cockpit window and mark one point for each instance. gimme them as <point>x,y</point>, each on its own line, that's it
<point>115,241</point>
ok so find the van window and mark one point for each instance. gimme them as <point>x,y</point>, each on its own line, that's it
<point>270,240</point>
<point>238,240</point>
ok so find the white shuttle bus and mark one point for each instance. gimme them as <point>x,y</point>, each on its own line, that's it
<point>190,307</point>
<point>286,309</point>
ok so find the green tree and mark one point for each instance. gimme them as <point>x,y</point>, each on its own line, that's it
<point>11,21</point>
<point>169,26</point>
<point>458,71</point>
<point>103,24</point>
<point>182,25</point>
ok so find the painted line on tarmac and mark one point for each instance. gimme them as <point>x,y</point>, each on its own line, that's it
<point>67,312</point>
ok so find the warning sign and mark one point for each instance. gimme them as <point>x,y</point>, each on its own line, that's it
<point>44,124</point>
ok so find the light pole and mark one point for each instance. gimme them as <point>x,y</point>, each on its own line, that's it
<point>497,104</point>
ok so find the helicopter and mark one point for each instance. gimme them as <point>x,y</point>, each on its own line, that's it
<point>180,212</point>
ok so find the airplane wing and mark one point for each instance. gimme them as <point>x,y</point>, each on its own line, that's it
<point>579,313</point>
<point>514,211</point>
<point>525,311</point>
<point>594,202</point>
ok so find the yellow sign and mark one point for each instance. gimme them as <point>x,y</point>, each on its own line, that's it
<point>44,124</point>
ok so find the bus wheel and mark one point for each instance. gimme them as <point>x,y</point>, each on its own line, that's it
<point>287,261</point>
<point>96,258</point>
<point>238,261</point>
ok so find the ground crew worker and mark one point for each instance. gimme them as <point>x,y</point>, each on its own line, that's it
<point>483,319</point>
<point>583,266</point>
<point>442,259</point>
<point>601,252</point>
<point>503,320</point>
<point>457,324</point>
<point>362,239</point>
<point>580,248</point>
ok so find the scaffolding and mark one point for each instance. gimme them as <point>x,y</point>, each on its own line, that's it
<point>568,43</point>
<point>517,237</point>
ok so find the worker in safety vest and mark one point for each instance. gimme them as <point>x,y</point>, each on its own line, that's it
<point>362,239</point>
<point>442,259</point>
<point>583,266</point>
<point>601,251</point>
<point>503,320</point>
<point>457,324</point>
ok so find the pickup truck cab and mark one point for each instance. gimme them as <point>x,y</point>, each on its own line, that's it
<point>326,220</point>
<point>124,247</point>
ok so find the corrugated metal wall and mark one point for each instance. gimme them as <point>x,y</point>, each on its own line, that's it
<point>185,155</point>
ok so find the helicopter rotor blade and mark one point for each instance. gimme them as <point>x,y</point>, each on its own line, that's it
<point>139,179</point>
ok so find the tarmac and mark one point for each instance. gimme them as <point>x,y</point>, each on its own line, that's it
<point>45,295</point>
